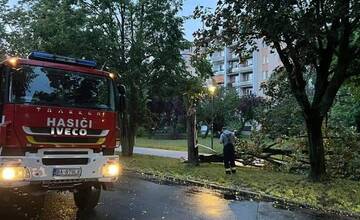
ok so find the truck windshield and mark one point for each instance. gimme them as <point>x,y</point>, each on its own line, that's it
<point>47,86</point>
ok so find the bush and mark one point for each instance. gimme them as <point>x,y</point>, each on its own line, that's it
<point>235,124</point>
<point>343,153</point>
<point>141,132</point>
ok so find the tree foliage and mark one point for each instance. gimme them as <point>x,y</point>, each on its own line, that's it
<point>3,9</point>
<point>280,115</point>
<point>346,110</point>
<point>59,27</point>
<point>247,108</point>
<point>224,108</point>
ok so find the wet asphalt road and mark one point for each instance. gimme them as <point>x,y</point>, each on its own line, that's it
<point>136,198</point>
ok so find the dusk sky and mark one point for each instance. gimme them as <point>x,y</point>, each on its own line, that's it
<point>190,26</point>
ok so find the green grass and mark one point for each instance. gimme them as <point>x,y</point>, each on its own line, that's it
<point>178,145</point>
<point>337,194</point>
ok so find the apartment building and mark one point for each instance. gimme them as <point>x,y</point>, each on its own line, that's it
<point>246,75</point>
<point>186,55</point>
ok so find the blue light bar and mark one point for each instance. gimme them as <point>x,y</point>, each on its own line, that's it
<point>38,55</point>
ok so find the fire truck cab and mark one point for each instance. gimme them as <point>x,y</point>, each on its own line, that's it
<point>58,126</point>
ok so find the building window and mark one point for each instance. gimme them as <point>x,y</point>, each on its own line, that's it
<point>263,44</point>
<point>234,55</point>
<point>247,91</point>
<point>246,77</point>
<point>265,59</point>
<point>221,67</point>
<point>249,62</point>
<point>237,79</point>
<point>232,79</point>
<point>265,75</point>
<point>234,65</point>
<point>218,68</point>
<point>221,53</point>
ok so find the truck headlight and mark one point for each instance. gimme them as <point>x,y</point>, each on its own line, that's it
<point>13,173</point>
<point>111,169</point>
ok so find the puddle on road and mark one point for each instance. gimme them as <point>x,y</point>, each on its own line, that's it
<point>220,195</point>
<point>214,201</point>
<point>207,202</point>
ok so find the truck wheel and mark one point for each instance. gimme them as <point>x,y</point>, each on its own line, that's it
<point>87,198</point>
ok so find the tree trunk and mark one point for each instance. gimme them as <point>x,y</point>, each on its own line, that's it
<point>193,154</point>
<point>174,126</point>
<point>129,120</point>
<point>316,146</point>
<point>357,122</point>
<point>127,135</point>
<point>127,144</point>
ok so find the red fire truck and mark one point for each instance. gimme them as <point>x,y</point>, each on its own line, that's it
<point>58,126</point>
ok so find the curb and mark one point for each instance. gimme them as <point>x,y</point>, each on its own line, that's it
<point>244,193</point>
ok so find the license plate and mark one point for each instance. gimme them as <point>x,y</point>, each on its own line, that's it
<point>67,172</point>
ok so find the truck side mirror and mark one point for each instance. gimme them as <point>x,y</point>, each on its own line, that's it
<point>122,97</point>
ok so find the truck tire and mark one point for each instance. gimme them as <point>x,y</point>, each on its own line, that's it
<point>87,198</point>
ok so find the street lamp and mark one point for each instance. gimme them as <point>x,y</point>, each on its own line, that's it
<point>212,90</point>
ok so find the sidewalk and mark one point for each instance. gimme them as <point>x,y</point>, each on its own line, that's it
<point>169,153</point>
<point>159,152</point>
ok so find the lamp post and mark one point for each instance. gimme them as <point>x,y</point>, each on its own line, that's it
<point>212,90</point>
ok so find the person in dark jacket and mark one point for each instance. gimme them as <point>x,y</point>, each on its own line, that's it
<point>227,138</point>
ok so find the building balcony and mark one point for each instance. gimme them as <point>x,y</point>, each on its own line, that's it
<point>217,58</point>
<point>245,83</point>
<point>218,72</point>
<point>233,57</point>
<point>241,69</point>
<point>231,72</point>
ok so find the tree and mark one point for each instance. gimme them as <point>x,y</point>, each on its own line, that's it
<point>140,40</point>
<point>193,91</point>
<point>229,109</point>
<point>145,38</point>
<point>346,110</point>
<point>166,112</point>
<point>246,108</point>
<point>355,91</point>
<point>3,9</point>
<point>224,108</point>
<point>59,27</point>
<point>280,115</point>
<point>315,37</point>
